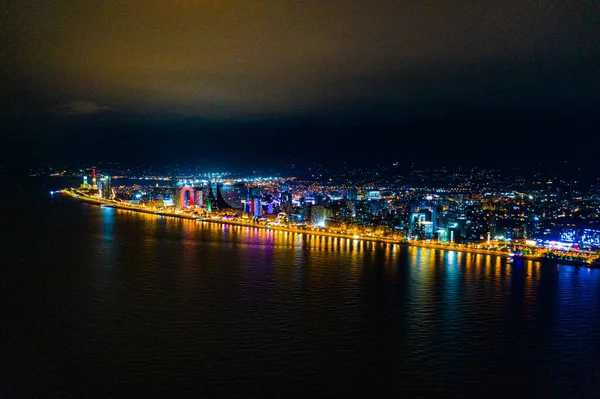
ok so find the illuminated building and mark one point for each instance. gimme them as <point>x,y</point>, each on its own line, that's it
<point>186,197</point>
<point>453,232</point>
<point>282,218</point>
<point>105,188</point>
<point>198,198</point>
<point>168,202</point>
<point>374,195</point>
<point>363,212</point>
<point>220,200</point>
<point>234,194</point>
<point>253,203</point>
<point>94,182</point>
<point>427,227</point>
<point>136,196</point>
<point>211,203</point>
<point>256,207</point>
<point>418,224</point>
<point>348,209</point>
<point>317,215</point>
<point>286,198</point>
<point>442,235</point>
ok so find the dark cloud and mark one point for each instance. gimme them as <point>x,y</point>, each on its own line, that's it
<point>224,58</point>
<point>283,63</point>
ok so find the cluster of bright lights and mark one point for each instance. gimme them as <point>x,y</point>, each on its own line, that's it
<point>227,182</point>
<point>555,244</point>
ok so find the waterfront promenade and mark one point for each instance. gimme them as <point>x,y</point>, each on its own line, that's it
<point>581,259</point>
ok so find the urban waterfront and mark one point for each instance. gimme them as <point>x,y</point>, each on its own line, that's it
<point>107,301</point>
<point>299,199</point>
<point>535,216</point>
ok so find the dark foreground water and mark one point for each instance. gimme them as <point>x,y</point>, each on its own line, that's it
<point>103,302</point>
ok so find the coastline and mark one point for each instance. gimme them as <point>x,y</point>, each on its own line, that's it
<point>502,254</point>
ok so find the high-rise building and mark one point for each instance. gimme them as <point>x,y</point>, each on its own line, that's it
<point>363,212</point>
<point>211,203</point>
<point>418,221</point>
<point>198,198</point>
<point>186,197</point>
<point>253,203</point>
<point>94,181</point>
<point>234,194</point>
<point>256,207</point>
<point>286,198</point>
<point>105,187</point>
<point>317,215</point>
<point>221,203</point>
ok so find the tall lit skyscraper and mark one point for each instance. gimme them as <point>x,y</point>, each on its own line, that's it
<point>94,181</point>
<point>317,215</point>
<point>105,187</point>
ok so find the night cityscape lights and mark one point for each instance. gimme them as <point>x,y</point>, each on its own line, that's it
<point>472,210</point>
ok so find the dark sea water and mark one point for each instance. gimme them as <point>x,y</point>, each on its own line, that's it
<point>105,302</point>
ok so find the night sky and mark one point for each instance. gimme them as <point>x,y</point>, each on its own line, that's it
<point>255,82</point>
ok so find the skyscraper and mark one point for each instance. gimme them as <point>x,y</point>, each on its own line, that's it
<point>94,181</point>
<point>256,207</point>
<point>105,187</point>
<point>363,212</point>
<point>317,215</point>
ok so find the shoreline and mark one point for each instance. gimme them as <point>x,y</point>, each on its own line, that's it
<point>501,254</point>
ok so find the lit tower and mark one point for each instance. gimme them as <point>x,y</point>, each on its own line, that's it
<point>94,183</point>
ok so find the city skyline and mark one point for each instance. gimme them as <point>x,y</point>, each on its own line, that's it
<point>543,217</point>
<point>465,205</point>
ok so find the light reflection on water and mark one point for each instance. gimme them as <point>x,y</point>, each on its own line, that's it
<point>136,303</point>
